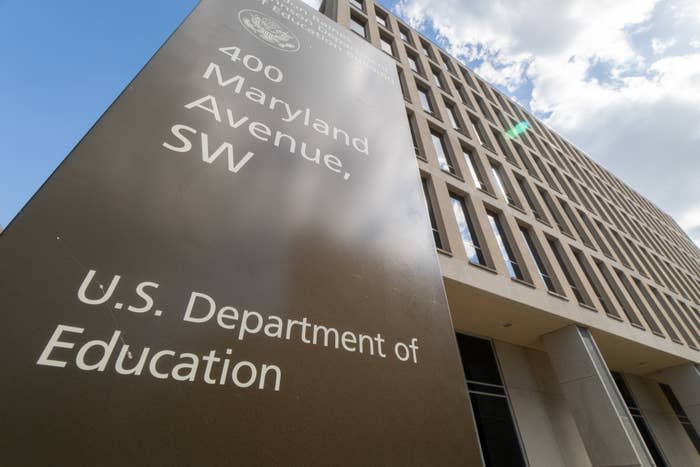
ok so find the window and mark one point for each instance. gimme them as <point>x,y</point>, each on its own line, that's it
<point>381,17</point>
<point>413,62</point>
<point>617,293</point>
<point>575,222</point>
<point>437,78</point>
<point>680,413</point>
<point>553,212</point>
<point>598,239</point>
<point>452,114</point>
<point>593,282</point>
<point>442,152</point>
<point>528,197</point>
<point>425,101</point>
<point>474,170</point>
<point>431,214</point>
<point>426,49</point>
<point>404,35</point>
<point>498,438</point>
<point>358,27</point>
<point>525,158</point>
<point>414,139</point>
<point>501,185</point>
<point>554,246</point>
<point>463,95</point>
<point>387,45</point>
<point>657,312</point>
<point>504,246</point>
<point>359,4</point>
<point>402,83</point>
<point>479,132</point>
<point>466,231</point>
<point>468,79</point>
<point>482,106</point>
<point>448,63</point>
<point>638,302</point>
<point>537,259</point>
<point>639,420</point>
<point>507,153</point>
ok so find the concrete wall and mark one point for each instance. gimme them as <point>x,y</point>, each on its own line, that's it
<point>547,429</point>
<point>663,423</point>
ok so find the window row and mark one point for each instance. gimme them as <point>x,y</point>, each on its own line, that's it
<point>544,155</point>
<point>570,219</point>
<point>564,270</point>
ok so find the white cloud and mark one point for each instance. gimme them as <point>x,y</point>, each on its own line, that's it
<point>660,46</point>
<point>621,80</point>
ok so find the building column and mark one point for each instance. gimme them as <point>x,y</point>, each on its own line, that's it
<point>604,423</point>
<point>685,384</point>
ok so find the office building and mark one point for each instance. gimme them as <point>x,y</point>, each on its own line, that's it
<point>576,301</point>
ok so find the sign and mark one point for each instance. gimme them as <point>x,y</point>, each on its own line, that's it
<point>234,266</point>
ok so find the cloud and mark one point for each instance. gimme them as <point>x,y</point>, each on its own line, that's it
<point>660,46</point>
<point>620,80</point>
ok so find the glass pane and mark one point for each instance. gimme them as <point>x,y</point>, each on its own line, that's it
<point>471,245</point>
<point>425,101</point>
<point>503,245</point>
<point>441,152</point>
<point>356,27</point>
<point>497,435</point>
<point>476,176</point>
<point>386,47</point>
<point>478,360</point>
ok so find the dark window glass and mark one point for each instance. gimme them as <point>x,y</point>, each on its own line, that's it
<point>402,83</point>
<point>381,18</point>
<point>498,437</point>
<point>411,126</point>
<point>594,284</point>
<point>404,35</point>
<point>541,268</point>
<point>466,231</point>
<point>528,197</point>
<point>426,50</point>
<point>480,134</point>
<point>567,274</point>
<point>437,78</point>
<point>504,246</point>
<point>682,417</point>
<point>431,214</point>
<point>639,420</point>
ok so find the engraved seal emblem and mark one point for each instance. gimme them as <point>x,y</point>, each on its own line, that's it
<point>268,30</point>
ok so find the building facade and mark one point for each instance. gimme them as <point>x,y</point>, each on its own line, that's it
<point>576,301</point>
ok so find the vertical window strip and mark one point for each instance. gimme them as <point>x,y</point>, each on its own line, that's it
<point>504,246</point>
<point>541,268</point>
<point>466,231</point>
<point>431,214</point>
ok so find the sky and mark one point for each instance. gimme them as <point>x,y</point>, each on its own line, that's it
<point>619,79</point>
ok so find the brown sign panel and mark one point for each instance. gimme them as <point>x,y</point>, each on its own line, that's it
<point>234,266</point>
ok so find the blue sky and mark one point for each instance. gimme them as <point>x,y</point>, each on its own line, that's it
<point>63,65</point>
<point>620,79</point>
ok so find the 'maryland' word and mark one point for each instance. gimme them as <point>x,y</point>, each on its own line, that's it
<point>286,112</point>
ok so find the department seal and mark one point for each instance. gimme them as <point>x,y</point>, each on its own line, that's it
<point>268,30</point>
